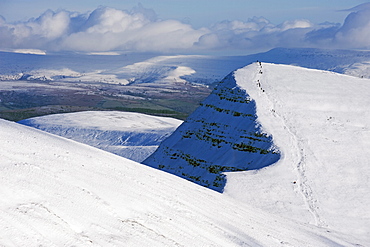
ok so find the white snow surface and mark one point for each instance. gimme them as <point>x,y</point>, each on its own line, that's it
<point>57,192</point>
<point>131,135</point>
<point>320,121</point>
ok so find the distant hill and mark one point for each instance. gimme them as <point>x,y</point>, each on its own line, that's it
<point>131,135</point>
<point>169,69</point>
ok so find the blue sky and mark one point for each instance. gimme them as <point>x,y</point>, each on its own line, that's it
<point>197,12</point>
<point>191,26</point>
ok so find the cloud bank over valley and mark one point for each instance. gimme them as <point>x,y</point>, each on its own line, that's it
<point>140,30</point>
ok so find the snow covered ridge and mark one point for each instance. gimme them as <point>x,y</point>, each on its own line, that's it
<point>56,192</point>
<point>131,135</point>
<point>222,135</point>
<point>321,123</point>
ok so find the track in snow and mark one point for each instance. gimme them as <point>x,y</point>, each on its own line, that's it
<point>297,150</point>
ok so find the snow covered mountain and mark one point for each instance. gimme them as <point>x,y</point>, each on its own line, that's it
<point>221,135</point>
<point>117,69</point>
<point>57,192</point>
<point>316,124</point>
<point>168,69</point>
<point>131,135</point>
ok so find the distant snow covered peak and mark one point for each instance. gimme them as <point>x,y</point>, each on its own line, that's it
<point>153,68</point>
<point>160,69</point>
<point>222,135</point>
<point>120,69</point>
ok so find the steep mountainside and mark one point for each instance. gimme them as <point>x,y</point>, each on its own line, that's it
<point>221,135</point>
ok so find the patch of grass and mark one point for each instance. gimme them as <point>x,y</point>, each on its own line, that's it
<point>20,114</point>
<point>16,105</point>
<point>187,106</point>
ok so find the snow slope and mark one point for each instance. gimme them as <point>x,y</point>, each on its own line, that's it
<point>318,120</point>
<point>321,123</point>
<point>57,192</point>
<point>131,135</point>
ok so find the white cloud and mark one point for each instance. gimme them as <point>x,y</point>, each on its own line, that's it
<point>256,33</point>
<point>35,33</point>
<point>107,29</point>
<point>104,29</point>
<point>111,29</point>
<point>296,24</point>
<point>108,20</point>
<point>355,31</point>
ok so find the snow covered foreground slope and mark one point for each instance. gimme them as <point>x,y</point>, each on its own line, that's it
<point>131,135</point>
<point>57,192</point>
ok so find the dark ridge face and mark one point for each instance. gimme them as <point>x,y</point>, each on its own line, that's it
<point>222,135</point>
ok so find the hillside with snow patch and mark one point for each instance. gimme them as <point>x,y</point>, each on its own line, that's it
<point>57,192</point>
<point>315,124</point>
<point>131,135</point>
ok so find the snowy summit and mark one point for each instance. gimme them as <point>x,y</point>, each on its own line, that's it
<point>315,124</point>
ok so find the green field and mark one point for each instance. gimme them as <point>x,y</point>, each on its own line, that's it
<point>40,99</point>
